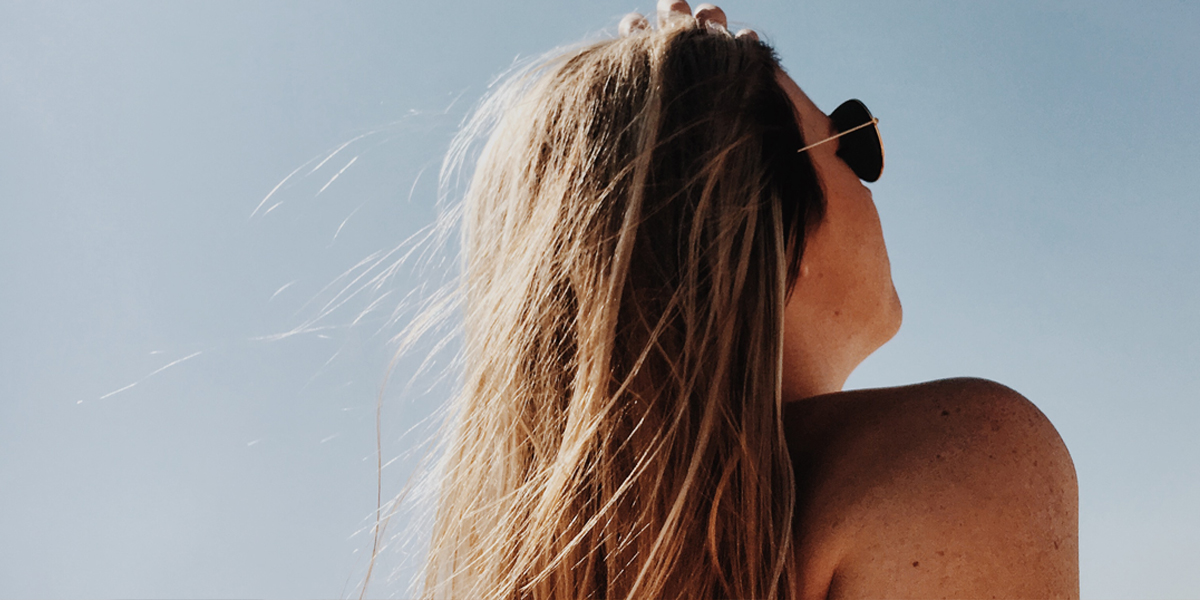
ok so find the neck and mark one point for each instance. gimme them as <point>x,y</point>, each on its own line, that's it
<point>812,373</point>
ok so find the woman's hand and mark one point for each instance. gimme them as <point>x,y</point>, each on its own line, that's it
<point>707,16</point>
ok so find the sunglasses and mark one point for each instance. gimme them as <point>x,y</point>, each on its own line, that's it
<point>860,147</point>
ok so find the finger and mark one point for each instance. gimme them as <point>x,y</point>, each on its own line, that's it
<point>633,23</point>
<point>707,14</point>
<point>747,33</point>
<point>669,10</point>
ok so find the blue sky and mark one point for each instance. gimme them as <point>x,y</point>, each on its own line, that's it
<point>1038,205</point>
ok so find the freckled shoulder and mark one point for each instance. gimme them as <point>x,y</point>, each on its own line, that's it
<point>952,488</point>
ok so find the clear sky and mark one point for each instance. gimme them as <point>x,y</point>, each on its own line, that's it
<point>1038,205</point>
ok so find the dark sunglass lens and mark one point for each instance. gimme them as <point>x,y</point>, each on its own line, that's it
<point>862,150</point>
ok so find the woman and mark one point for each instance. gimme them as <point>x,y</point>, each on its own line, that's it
<point>672,267</point>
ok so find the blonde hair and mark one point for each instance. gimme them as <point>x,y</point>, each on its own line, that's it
<point>631,230</point>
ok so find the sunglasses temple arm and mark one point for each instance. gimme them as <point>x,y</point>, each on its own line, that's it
<point>873,121</point>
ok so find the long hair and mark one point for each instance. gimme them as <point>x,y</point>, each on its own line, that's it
<point>632,227</point>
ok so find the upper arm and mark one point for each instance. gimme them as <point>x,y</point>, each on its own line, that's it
<point>965,490</point>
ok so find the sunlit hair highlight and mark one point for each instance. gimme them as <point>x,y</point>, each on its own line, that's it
<point>631,230</point>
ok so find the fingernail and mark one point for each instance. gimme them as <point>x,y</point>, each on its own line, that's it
<point>669,10</point>
<point>748,33</point>
<point>633,22</point>
<point>708,14</point>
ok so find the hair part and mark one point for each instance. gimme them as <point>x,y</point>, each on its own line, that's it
<point>632,228</point>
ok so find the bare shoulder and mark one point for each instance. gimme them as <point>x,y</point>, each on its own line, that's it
<point>952,488</point>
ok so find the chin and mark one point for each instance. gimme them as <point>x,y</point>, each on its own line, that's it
<point>887,323</point>
<point>897,315</point>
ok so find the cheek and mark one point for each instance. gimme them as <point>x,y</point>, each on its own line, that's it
<point>860,233</point>
<point>835,258</point>
<point>878,303</point>
<point>873,248</point>
<point>845,271</point>
<point>826,285</point>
